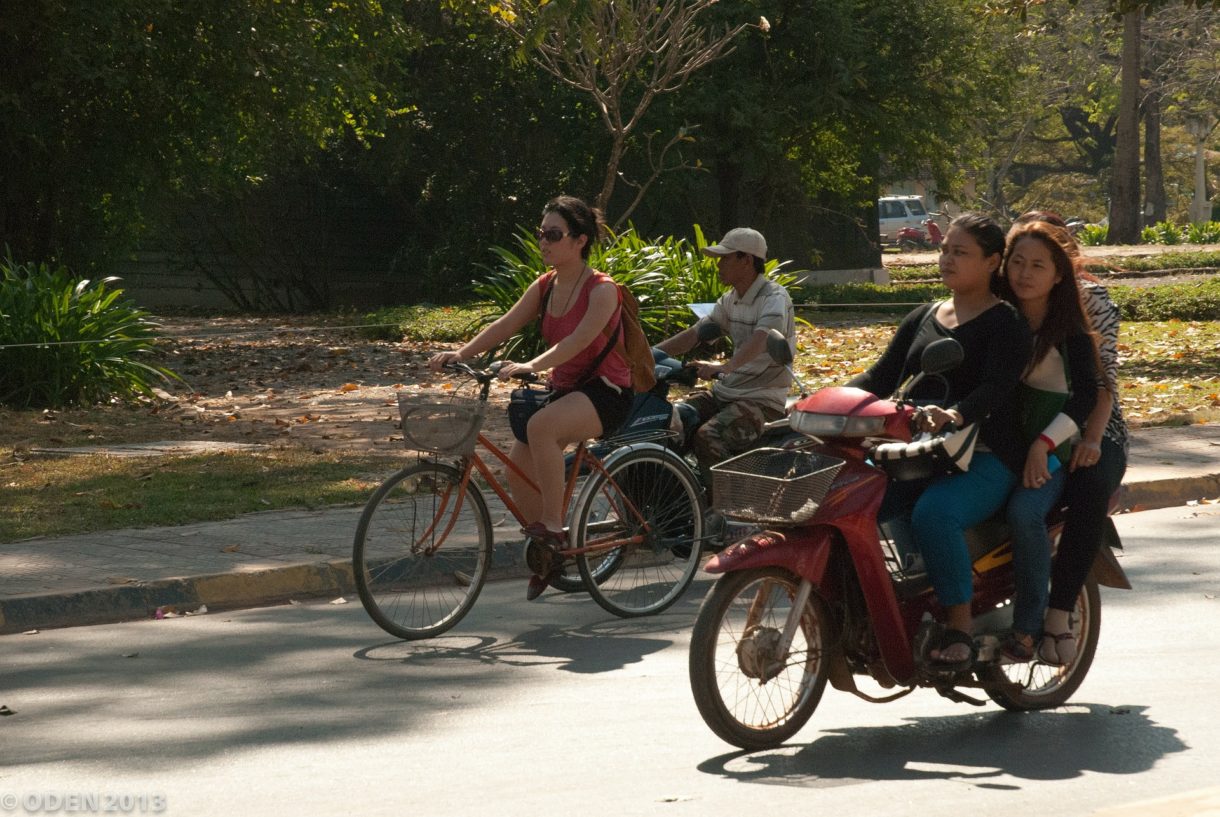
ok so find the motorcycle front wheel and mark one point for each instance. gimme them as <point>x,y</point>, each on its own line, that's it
<point>1036,685</point>
<point>749,693</point>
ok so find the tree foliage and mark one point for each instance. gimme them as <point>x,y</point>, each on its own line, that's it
<point>111,109</point>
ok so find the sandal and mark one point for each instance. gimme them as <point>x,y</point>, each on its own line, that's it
<point>1018,647</point>
<point>543,556</point>
<point>1057,649</point>
<point>951,638</point>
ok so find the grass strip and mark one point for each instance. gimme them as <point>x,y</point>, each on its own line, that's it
<point>66,495</point>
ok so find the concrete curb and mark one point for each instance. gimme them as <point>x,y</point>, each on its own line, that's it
<point>141,601</point>
<point>254,588</point>
<point>218,591</point>
<point>1165,493</point>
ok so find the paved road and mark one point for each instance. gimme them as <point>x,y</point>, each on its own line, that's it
<point>531,709</point>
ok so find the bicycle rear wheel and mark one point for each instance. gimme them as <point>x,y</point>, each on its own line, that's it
<point>422,551</point>
<point>649,501</point>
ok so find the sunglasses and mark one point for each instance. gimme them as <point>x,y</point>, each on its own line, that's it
<point>551,234</point>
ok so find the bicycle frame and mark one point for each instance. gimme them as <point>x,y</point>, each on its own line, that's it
<point>583,459</point>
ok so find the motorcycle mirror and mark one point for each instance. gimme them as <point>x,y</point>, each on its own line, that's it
<point>708,331</point>
<point>778,348</point>
<point>941,356</point>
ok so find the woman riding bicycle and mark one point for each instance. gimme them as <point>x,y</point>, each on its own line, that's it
<point>591,390</point>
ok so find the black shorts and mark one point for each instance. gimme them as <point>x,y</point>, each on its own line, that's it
<point>612,406</point>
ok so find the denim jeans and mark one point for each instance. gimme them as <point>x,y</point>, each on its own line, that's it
<point>1031,550</point>
<point>945,510</point>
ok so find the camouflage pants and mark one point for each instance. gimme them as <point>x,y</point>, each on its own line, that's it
<point>725,428</point>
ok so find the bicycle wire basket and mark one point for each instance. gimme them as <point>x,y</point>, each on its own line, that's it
<point>775,486</point>
<point>439,426</point>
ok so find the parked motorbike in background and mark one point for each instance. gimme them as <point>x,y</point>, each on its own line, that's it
<point>914,238</point>
<point>821,595</point>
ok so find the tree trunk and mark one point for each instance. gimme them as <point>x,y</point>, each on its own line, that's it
<point>1125,185</point>
<point>728,183</point>
<point>617,148</point>
<point>1154,176</point>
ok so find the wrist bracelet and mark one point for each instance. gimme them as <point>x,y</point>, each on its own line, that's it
<point>1050,444</point>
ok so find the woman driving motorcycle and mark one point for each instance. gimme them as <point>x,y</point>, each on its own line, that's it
<point>996,343</point>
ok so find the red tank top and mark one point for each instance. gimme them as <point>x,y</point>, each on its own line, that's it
<point>569,375</point>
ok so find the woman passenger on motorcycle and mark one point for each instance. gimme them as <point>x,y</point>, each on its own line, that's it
<point>1057,393</point>
<point>580,303</point>
<point>996,343</point>
<point>1098,463</point>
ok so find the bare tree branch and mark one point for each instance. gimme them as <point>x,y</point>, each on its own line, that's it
<point>618,51</point>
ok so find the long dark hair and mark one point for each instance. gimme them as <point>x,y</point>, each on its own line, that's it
<point>580,218</point>
<point>1065,316</point>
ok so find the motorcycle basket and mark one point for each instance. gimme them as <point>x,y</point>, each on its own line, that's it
<point>774,486</point>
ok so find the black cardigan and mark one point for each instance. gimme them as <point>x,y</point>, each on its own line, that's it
<point>997,346</point>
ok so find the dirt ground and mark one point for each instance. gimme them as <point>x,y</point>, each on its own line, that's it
<point>294,381</point>
<point>279,382</point>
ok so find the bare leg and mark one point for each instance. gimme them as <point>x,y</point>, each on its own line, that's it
<point>568,420</point>
<point>529,502</point>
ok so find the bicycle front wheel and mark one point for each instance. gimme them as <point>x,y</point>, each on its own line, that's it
<point>642,523</point>
<point>422,551</point>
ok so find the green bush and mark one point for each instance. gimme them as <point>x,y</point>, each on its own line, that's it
<point>665,275</point>
<point>424,323</point>
<point>919,272</point>
<point>891,298</point>
<point>65,342</point>
<point>1206,232</point>
<point>1093,235</point>
<point>1186,302</point>
<point>1163,232</point>
<point>1168,260</point>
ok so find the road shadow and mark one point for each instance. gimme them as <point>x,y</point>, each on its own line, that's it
<point>987,750</point>
<point>603,646</point>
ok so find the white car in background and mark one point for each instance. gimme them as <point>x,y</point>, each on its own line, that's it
<point>896,212</point>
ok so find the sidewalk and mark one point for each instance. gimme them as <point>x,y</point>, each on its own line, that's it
<point>278,556</point>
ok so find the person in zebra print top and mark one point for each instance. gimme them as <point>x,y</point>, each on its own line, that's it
<point>1095,472</point>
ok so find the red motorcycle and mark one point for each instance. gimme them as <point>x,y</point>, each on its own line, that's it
<point>913,238</point>
<point>823,595</point>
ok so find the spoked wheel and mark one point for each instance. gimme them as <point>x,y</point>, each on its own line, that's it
<point>749,693</point>
<point>570,580</point>
<point>650,503</point>
<point>1036,685</point>
<point>422,551</point>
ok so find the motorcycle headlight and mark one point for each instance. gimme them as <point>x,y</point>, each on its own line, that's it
<point>835,425</point>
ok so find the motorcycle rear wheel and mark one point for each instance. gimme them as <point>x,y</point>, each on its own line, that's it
<point>729,647</point>
<point>1044,686</point>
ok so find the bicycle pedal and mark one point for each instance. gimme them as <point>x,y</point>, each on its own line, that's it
<point>539,557</point>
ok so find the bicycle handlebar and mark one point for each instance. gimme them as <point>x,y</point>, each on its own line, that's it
<point>485,376</point>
